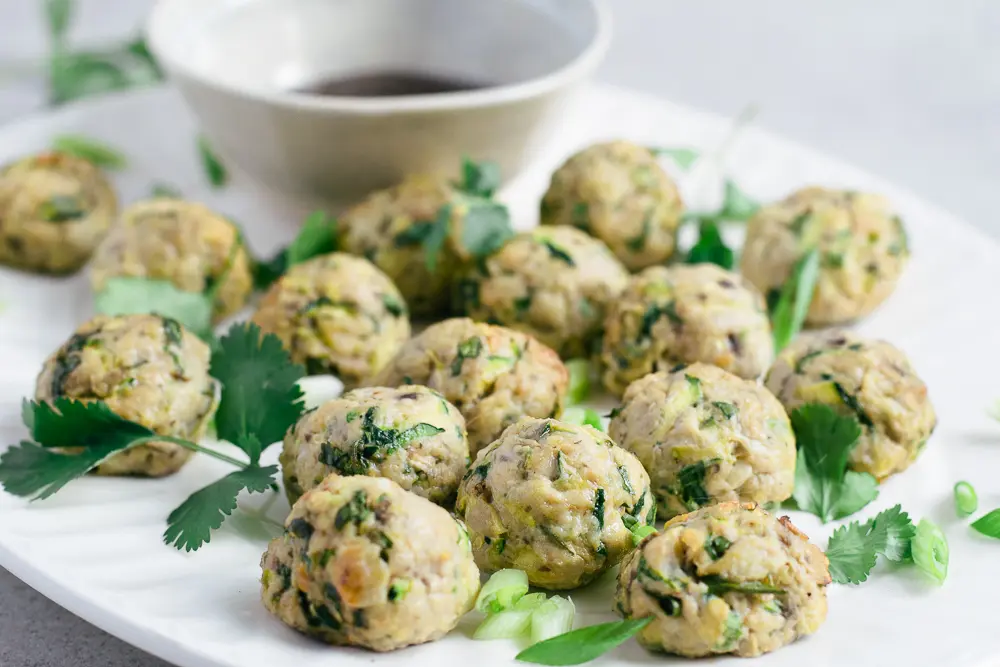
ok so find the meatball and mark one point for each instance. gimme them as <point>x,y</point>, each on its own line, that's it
<point>684,314</point>
<point>555,500</point>
<point>410,435</point>
<point>394,228</point>
<point>863,250</point>
<point>868,379</point>
<point>54,210</point>
<point>729,578</point>
<point>145,368</point>
<point>336,314</point>
<point>186,243</point>
<point>707,436</point>
<point>493,375</point>
<point>619,193</point>
<point>554,283</point>
<point>364,563</point>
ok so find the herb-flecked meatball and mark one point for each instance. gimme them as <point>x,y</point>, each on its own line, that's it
<point>54,210</point>
<point>862,245</point>
<point>681,315</point>
<point>554,283</point>
<point>492,374</point>
<point>410,435</point>
<point>336,314</point>
<point>364,563</point>
<point>868,379</point>
<point>707,436</point>
<point>186,243</point>
<point>419,233</point>
<point>555,500</point>
<point>619,193</point>
<point>729,578</point>
<point>145,368</point>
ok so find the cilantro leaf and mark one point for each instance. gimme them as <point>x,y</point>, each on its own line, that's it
<point>210,162</point>
<point>95,152</point>
<point>736,204</point>
<point>853,549</point>
<point>260,397</point>
<point>486,227</point>
<point>190,525</point>
<point>28,470</point>
<point>479,178</point>
<point>583,644</point>
<point>792,306</point>
<point>683,157</point>
<point>124,295</point>
<point>823,485</point>
<point>317,236</point>
<point>710,247</point>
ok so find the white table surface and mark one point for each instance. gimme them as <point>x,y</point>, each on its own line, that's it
<point>909,89</point>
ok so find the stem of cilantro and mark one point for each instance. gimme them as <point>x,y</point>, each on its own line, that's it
<point>194,447</point>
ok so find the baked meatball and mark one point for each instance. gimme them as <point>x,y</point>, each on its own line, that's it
<point>619,193</point>
<point>336,314</point>
<point>863,250</point>
<point>364,563</point>
<point>195,248</point>
<point>554,283</point>
<point>681,315</point>
<point>410,435</point>
<point>145,368</point>
<point>493,375</point>
<point>395,228</point>
<point>868,379</point>
<point>706,436</point>
<point>729,578</point>
<point>555,500</point>
<point>54,210</point>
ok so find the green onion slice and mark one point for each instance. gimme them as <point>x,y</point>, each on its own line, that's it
<point>930,551</point>
<point>502,590</point>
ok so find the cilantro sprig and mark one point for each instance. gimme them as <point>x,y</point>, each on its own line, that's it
<point>823,484</point>
<point>480,179</point>
<point>710,247</point>
<point>317,236</point>
<point>853,549</point>
<point>259,401</point>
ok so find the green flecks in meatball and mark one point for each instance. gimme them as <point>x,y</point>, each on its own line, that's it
<point>500,544</point>
<point>638,506</point>
<point>468,295</point>
<point>67,362</point>
<point>833,260</point>
<point>62,208</point>
<point>285,573</point>
<point>638,243</point>
<point>324,557</point>
<point>728,410</point>
<point>558,252</point>
<point>580,215</point>
<point>732,632</point>
<point>375,444</point>
<point>799,223</point>
<point>718,586</point>
<point>481,470</point>
<point>652,316</point>
<point>599,508</point>
<point>352,415</point>
<point>393,305</point>
<point>716,546</point>
<point>469,348</point>
<point>800,364</point>
<point>300,528</point>
<point>398,589</point>
<point>626,482</point>
<point>773,606</point>
<point>522,305</point>
<point>692,484</point>
<point>356,511</point>
<point>694,388</point>
<point>851,402</point>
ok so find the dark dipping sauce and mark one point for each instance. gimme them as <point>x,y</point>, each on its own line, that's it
<point>388,84</point>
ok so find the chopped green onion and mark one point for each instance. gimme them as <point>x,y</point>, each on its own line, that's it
<point>530,602</point>
<point>930,551</point>
<point>641,532</point>
<point>504,625</point>
<point>966,501</point>
<point>988,524</point>
<point>502,590</point>
<point>582,417</point>
<point>554,617</point>
<point>579,380</point>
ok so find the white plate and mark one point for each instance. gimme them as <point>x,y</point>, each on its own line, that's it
<point>95,547</point>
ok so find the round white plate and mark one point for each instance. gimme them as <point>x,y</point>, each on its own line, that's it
<point>95,547</point>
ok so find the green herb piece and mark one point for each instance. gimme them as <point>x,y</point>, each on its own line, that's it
<point>682,157</point>
<point>191,524</point>
<point>582,645</point>
<point>737,205</point>
<point>716,546</point>
<point>580,215</point>
<point>317,236</point>
<point>582,417</point>
<point>579,381</point>
<point>626,482</point>
<point>930,551</point>
<point>732,631</point>
<point>823,484</point>
<point>966,500</point>
<point>558,252</point>
<point>988,524</point>
<point>711,248</point>
<point>375,444</point>
<point>481,179</point>
<point>799,223</point>
<point>125,296</point>
<point>599,508</point>
<point>719,586</point>
<point>853,549</point>
<point>641,532</point>
<point>502,590</point>
<point>638,243</point>
<point>61,208</point>
<point>398,589</point>
<point>470,348</point>
<point>355,511</point>
<point>58,15</point>
<point>393,305</point>
<point>728,410</point>
<point>215,171</point>
<point>654,313</point>
<point>486,227</point>
<point>692,484</point>
<point>91,150</point>
<point>851,401</point>
<point>792,306</point>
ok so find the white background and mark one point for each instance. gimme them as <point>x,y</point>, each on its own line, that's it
<point>909,89</point>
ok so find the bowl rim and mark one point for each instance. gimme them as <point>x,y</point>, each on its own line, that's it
<point>578,68</point>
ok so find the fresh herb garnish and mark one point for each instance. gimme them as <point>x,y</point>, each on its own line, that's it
<point>317,236</point>
<point>486,227</point>
<point>711,248</point>
<point>988,524</point>
<point>124,295</point>
<point>692,484</point>
<point>215,171</point>
<point>930,551</point>
<point>682,157</point>
<point>583,645</point>
<point>91,150</point>
<point>823,484</point>
<point>792,305</point>
<point>853,549</point>
<point>480,179</point>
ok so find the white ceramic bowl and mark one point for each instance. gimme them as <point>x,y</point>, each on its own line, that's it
<point>238,63</point>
